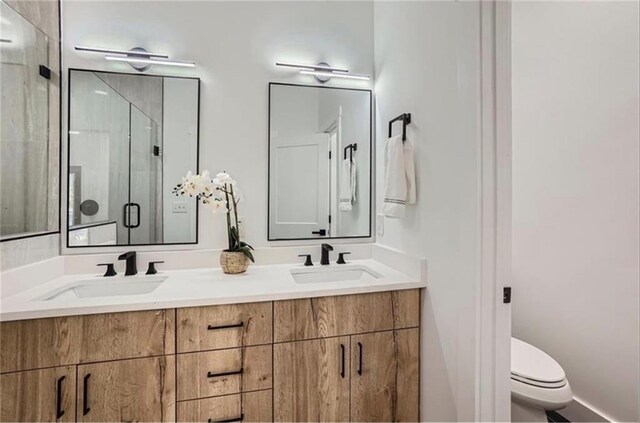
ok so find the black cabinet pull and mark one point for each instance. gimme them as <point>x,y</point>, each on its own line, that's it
<point>342,361</point>
<point>234,325</point>
<point>359,358</point>
<point>233,419</point>
<point>235,372</point>
<point>59,410</point>
<point>85,395</point>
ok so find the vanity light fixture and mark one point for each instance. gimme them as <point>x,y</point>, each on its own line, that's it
<point>329,75</point>
<point>130,59</point>
<point>323,72</point>
<point>139,58</point>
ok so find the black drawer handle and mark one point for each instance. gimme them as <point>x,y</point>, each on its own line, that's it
<point>359,358</point>
<point>232,326</point>
<point>235,372</point>
<point>233,419</point>
<point>342,361</point>
<point>85,395</point>
<point>59,410</point>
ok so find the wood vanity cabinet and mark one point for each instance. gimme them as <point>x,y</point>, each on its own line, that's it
<point>371,374</point>
<point>102,367</point>
<point>339,358</point>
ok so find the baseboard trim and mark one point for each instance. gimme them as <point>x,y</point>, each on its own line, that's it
<point>581,411</point>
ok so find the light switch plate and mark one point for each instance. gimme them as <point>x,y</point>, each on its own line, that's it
<point>380,224</point>
<point>179,208</point>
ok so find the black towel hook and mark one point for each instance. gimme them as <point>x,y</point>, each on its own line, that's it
<point>351,147</point>
<point>406,119</point>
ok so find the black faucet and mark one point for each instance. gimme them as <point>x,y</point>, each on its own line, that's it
<point>130,257</point>
<point>324,260</point>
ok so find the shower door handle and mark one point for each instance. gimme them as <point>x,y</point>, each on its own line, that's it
<point>137,206</point>
<point>125,215</point>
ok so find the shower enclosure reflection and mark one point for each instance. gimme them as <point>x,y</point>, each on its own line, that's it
<point>131,138</point>
<point>28,157</point>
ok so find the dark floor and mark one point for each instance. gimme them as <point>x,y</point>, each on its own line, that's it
<point>555,417</point>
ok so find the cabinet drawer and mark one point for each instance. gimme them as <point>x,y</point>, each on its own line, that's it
<point>221,372</point>
<point>322,317</point>
<point>224,326</point>
<point>247,407</point>
<point>59,341</point>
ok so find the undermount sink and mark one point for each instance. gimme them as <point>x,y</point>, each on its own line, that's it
<point>106,287</point>
<point>338,273</point>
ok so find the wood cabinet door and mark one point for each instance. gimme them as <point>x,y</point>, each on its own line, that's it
<point>385,376</point>
<point>311,380</point>
<point>140,389</point>
<point>39,395</point>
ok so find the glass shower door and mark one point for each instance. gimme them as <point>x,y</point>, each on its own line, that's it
<point>145,213</point>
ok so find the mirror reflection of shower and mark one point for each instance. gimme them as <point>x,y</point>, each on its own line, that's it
<point>120,176</point>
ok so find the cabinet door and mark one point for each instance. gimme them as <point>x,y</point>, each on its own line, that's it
<point>39,395</point>
<point>128,390</point>
<point>311,380</point>
<point>385,376</point>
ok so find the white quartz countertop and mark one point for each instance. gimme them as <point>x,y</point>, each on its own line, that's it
<point>198,287</point>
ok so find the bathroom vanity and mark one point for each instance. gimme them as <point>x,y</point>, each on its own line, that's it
<point>283,349</point>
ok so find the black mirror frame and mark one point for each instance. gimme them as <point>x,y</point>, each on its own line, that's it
<point>66,215</point>
<point>371,163</point>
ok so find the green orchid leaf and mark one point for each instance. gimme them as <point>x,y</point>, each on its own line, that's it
<point>247,253</point>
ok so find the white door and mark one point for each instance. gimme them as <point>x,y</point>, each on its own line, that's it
<point>299,184</point>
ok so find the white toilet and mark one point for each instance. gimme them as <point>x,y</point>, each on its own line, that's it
<point>538,383</point>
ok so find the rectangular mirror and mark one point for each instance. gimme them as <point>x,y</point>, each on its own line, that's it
<point>29,151</point>
<point>319,162</point>
<point>131,139</point>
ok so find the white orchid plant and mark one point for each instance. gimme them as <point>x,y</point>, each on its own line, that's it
<point>222,195</point>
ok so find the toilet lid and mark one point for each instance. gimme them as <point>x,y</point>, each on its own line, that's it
<point>530,363</point>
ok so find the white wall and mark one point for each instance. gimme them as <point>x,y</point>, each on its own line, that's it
<point>179,155</point>
<point>575,194</point>
<point>427,63</point>
<point>235,46</point>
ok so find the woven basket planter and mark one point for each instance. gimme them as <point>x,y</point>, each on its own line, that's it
<point>233,262</point>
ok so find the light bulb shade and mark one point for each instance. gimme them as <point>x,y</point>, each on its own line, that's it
<point>318,67</point>
<point>130,59</point>
<point>325,74</point>
<point>125,52</point>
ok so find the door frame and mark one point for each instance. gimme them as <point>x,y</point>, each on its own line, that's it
<point>493,348</point>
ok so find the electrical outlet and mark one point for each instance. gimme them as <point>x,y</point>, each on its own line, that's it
<point>179,208</point>
<point>380,224</point>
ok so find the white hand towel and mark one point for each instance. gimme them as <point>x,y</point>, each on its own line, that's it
<point>354,171</point>
<point>400,179</point>
<point>346,183</point>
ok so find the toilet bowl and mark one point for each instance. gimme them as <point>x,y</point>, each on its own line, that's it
<point>538,383</point>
